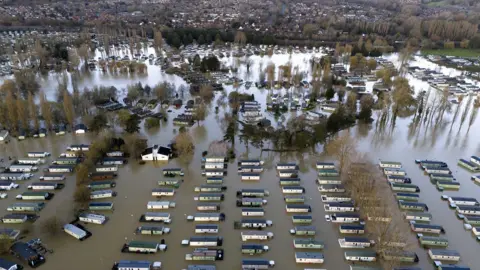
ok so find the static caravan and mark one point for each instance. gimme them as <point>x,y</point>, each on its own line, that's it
<point>339,207</point>
<point>10,234</point>
<point>251,202</point>
<point>252,223</point>
<point>250,169</point>
<point>476,178</point>
<point>396,187</point>
<point>207,217</point>
<point>92,218</point>
<point>250,176</point>
<point>452,267</point>
<point>335,198</point>
<point>250,162</point>
<point>212,165</point>
<point>23,168</point>
<point>328,172</point>
<point>257,264</point>
<point>427,228</point>
<point>437,170</point>
<point>70,154</point>
<point>472,220</point>
<point>325,165</point>
<point>442,185</point>
<point>355,242</point>
<point>302,219</point>
<point>210,188</point>
<point>75,231</point>
<point>214,172</point>
<point>298,208</point>
<point>169,182</point>
<point>289,181</point>
<point>137,265</point>
<point>44,186</point>
<point>96,176</point>
<point>208,206</point>
<point>294,199</point>
<point>142,247</point>
<point>468,210</point>
<point>35,196</point>
<point>475,160</point>
<point>201,267</point>
<point>205,254</point>
<point>31,161</point>
<point>476,231</point>
<point>52,177</point>
<point>463,201</point>
<point>102,194</point>
<point>412,206</point>
<point>287,166</point>
<point>329,180</point>
<point>160,205</point>
<point>407,196</point>
<point>252,193</point>
<point>60,169</point>
<point>400,256</point>
<point>115,154</point>
<point>253,212</point>
<point>309,257</point>
<point>152,230</point>
<point>332,188</point>
<point>390,171</point>
<point>113,161</point>
<point>155,217</point>
<point>288,173</point>
<point>444,255</point>
<point>432,241</point>
<point>13,176</point>
<point>434,177</point>
<point>256,235</point>
<point>27,254</point>
<point>468,165</point>
<point>26,207</point>
<point>360,256</point>
<point>293,190</point>
<point>172,172</point>
<point>399,179</point>
<point>303,230</point>
<point>78,147</point>
<point>418,217</point>
<point>106,168</point>
<point>427,162</point>
<point>390,164</point>
<point>308,243</point>
<point>160,192</point>
<point>38,154</point>
<point>352,229</point>
<point>67,161</point>
<point>206,228</point>
<point>215,180</point>
<point>345,217</point>
<point>15,218</point>
<point>100,206</point>
<point>210,197</point>
<point>204,241</point>
<point>101,185</point>
<point>214,160</point>
<point>8,185</point>
<point>252,249</point>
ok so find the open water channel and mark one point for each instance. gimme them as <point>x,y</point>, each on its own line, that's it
<point>135,183</point>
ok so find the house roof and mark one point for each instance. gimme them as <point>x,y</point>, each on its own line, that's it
<point>23,250</point>
<point>147,151</point>
<point>164,151</point>
<point>4,264</point>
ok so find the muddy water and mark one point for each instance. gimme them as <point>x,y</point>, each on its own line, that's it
<point>135,183</point>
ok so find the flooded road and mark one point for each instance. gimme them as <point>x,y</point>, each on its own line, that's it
<point>135,183</point>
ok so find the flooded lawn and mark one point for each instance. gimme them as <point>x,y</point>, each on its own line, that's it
<point>135,182</point>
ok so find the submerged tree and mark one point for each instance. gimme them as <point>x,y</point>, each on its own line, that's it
<point>184,147</point>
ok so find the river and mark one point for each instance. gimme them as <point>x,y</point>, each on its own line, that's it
<point>135,183</point>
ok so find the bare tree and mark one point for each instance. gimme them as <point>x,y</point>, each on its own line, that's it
<point>11,111</point>
<point>342,148</point>
<point>68,108</point>
<point>46,111</point>
<point>184,147</point>
<point>32,110</point>
<point>51,226</point>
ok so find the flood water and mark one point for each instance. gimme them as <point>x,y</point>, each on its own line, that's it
<point>135,183</point>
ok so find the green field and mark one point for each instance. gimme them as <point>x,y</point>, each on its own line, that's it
<point>453,52</point>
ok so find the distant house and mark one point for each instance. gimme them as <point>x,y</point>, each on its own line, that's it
<point>22,134</point>
<point>156,153</point>
<point>42,132</point>
<point>3,136</point>
<point>80,129</point>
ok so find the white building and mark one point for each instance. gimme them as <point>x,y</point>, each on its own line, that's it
<point>3,136</point>
<point>156,153</point>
